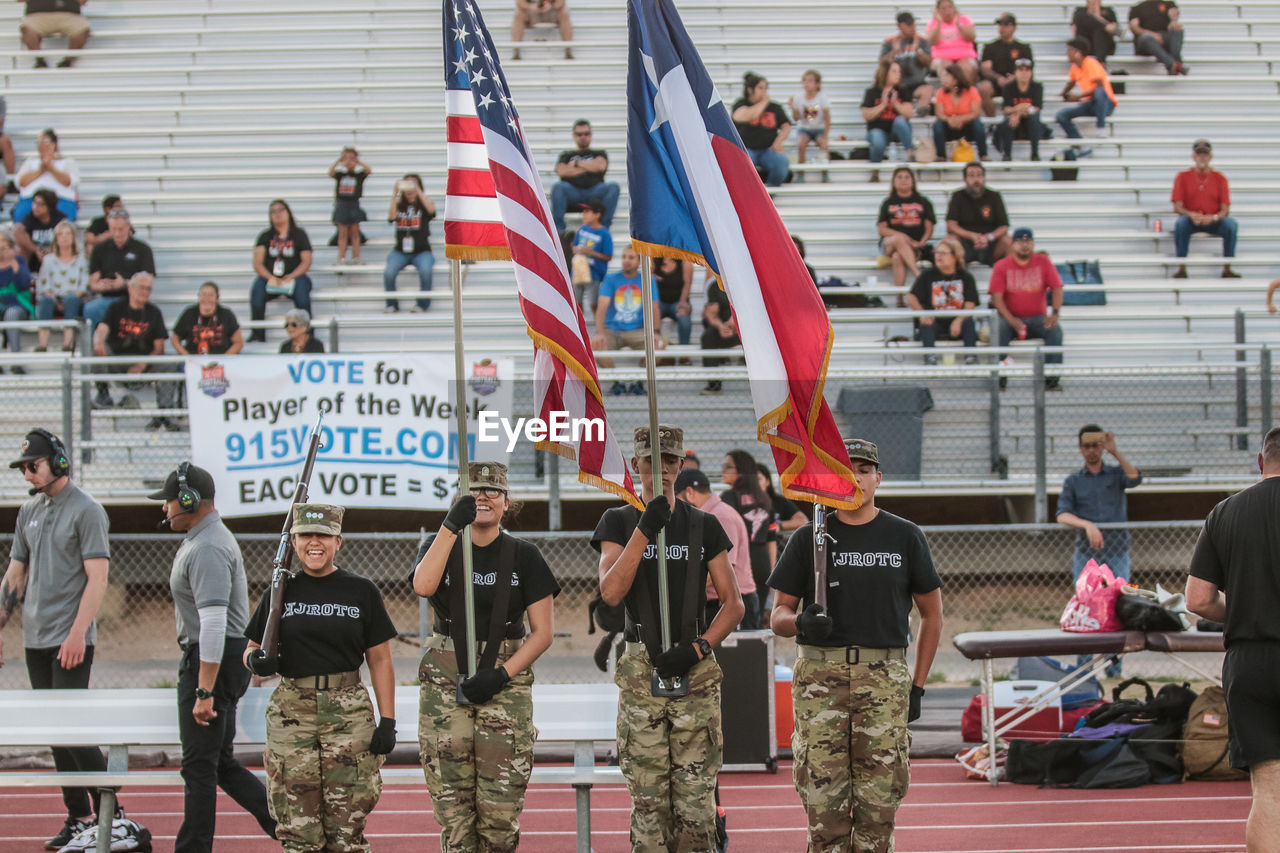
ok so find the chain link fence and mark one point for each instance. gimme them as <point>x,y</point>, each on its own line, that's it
<point>994,578</point>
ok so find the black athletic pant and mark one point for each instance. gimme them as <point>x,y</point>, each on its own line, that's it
<point>47,674</point>
<point>208,760</point>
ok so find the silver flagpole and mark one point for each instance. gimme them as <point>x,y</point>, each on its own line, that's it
<point>464,480</point>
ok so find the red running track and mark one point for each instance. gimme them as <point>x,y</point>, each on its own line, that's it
<point>943,813</point>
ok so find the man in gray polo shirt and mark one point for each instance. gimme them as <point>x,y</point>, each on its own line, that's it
<point>58,570</point>
<point>211,602</point>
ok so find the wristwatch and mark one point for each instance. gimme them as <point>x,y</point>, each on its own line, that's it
<point>703,646</point>
<point>203,694</point>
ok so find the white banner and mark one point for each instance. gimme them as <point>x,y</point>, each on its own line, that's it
<point>390,434</point>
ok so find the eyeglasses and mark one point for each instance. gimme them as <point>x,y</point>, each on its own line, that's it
<point>293,325</point>
<point>488,492</point>
<point>1087,445</point>
<point>32,467</point>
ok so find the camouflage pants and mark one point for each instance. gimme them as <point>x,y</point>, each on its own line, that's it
<point>322,780</point>
<point>851,748</point>
<point>476,758</point>
<point>670,751</point>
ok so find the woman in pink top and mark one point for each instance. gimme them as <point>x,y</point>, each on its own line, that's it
<point>952,38</point>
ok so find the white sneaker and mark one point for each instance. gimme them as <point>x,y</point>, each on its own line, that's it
<point>1101,133</point>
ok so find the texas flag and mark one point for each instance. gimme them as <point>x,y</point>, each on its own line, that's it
<point>695,194</point>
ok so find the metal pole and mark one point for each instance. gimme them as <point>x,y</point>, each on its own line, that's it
<point>553,491</point>
<point>67,440</point>
<point>1264,388</point>
<point>993,426</point>
<point>333,334</point>
<point>1242,385</point>
<point>86,389</point>
<point>464,482</point>
<point>655,456</point>
<point>1042,445</point>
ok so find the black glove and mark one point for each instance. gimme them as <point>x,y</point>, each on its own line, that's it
<point>485,684</point>
<point>260,664</point>
<point>462,513</point>
<point>913,707</point>
<point>813,624</point>
<point>676,660</point>
<point>655,517</point>
<point>384,737</point>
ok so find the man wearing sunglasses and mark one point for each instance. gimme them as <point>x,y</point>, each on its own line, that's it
<point>58,570</point>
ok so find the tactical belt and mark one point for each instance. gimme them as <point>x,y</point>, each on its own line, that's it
<point>440,641</point>
<point>497,615</point>
<point>649,630</point>
<point>513,630</point>
<point>850,654</point>
<point>332,681</point>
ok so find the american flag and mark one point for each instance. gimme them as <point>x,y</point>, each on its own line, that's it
<point>495,207</point>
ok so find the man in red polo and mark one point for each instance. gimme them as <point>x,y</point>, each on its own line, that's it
<point>1021,285</point>
<point>1202,200</point>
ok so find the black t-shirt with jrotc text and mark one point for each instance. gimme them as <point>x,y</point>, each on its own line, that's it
<point>206,335</point>
<point>531,581</point>
<point>873,570</point>
<point>413,229</point>
<point>328,623</point>
<point>289,248</point>
<point>907,215</point>
<point>617,525</point>
<point>983,214</point>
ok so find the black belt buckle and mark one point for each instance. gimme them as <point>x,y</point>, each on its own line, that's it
<point>676,687</point>
<point>856,654</point>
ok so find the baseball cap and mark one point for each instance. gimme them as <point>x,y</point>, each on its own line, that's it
<point>317,518</point>
<point>1023,62</point>
<point>670,441</point>
<point>906,18</point>
<point>692,478</point>
<point>860,448</point>
<point>593,205</point>
<point>1007,18</point>
<point>1201,145</point>
<point>35,446</point>
<point>487,475</point>
<point>1023,233</point>
<point>197,478</point>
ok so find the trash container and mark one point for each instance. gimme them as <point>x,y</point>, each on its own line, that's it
<point>892,416</point>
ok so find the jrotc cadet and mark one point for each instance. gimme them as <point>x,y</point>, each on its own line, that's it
<point>324,750</point>
<point>851,693</point>
<point>670,749</point>
<point>477,757</point>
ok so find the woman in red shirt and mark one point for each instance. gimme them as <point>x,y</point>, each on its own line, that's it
<point>957,108</point>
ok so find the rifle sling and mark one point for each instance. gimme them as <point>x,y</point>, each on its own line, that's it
<point>693,588</point>
<point>458,616</point>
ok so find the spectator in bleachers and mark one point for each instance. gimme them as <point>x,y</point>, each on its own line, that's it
<point>957,110</point>
<point>302,338</point>
<point>719,331</point>
<point>999,60</point>
<point>1202,199</point>
<point>349,174</point>
<point>1094,97</point>
<point>7,155</point>
<point>581,171</point>
<point>1157,32</point>
<point>531,13</point>
<point>804,257</point>
<point>1271,289</point>
<point>98,227</point>
<point>207,328</point>
<point>592,251</point>
<point>62,285</point>
<point>45,18</point>
<point>113,263</point>
<point>953,39</point>
<point>911,54</point>
<point>33,234</point>
<point>1096,495</point>
<point>1096,24</point>
<point>886,112</point>
<point>134,326</point>
<point>1020,288</point>
<point>763,126</point>
<point>812,113</point>
<point>412,212</point>
<point>15,293</point>
<point>674,278</point>
<point>1023,99</point>
<point>945,286</point>
<point>788,514</point>
<point>976,215</point>
<point>905,225</point>
<point>281,258</point>
<point>620,319</point>
<point>48,169</point>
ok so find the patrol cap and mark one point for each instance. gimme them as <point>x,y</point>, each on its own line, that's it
<point>860,448</point>
<point>35,446</point>
<point>197,478</point>
<point>317,518</point>
<point>670,441</point>
<point>692,478</point>
<point>488,475</point>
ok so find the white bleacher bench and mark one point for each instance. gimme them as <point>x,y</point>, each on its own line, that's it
<point>578,714</point>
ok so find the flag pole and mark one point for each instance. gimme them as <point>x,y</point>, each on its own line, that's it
<point>464,480</point>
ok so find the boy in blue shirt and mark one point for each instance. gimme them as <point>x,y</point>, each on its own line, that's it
<point>592,251</point>
<point>620,318</point>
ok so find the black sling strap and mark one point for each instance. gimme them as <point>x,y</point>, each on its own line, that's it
<point>497,614</point>
<point>691,616</point>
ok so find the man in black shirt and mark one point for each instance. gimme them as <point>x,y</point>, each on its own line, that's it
<point>134,326</point>
<point>1157,32</point>
<point>114,262</point>
<point>719,330</point>
<point>1023,100</point>
<point>1238,554</point>
<point>852,694</point>
<point>998,62</point>
<point>977,216</point>
<point>97,229</point>
<point>581,172</point>
<point>207,328</point>
<point>1097,25</point>
<point>674,745</point>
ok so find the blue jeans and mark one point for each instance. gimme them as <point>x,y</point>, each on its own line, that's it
<point>1224,228</point>
<point>72,305</point>
<point>398,260</point>
<point>15,314</point>
<point>1035,329</point>
<point>879,140</point>
<point>564,194</point>
<point>684,322</point>
<point>929,331</point>
<point>258,297</point>
<point>96,309</point>
<point>1006,133</point>
<point>973,131</point>
<point>23,207</point>
<point>1167,54</point>
<point>1097,105</point>
<point>775,164</point>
